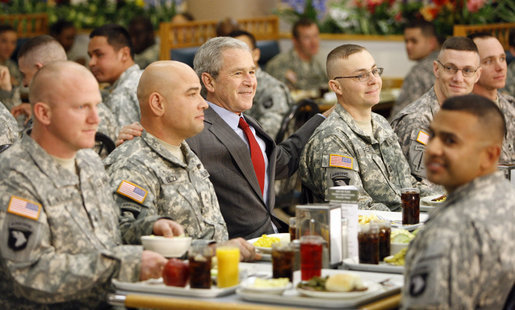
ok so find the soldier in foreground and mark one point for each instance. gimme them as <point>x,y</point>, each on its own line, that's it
<point>463,257</point>
<point>60,243</point>
<point>172,180</point>
<point>353,145</point>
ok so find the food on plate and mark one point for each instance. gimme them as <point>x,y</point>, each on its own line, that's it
<point>341,282</point>
<point>401,236</point>
<point>397,259</point>
<point>314,284</point>
<point>440,198</point>
<point>344,282</point>
<point>367,218</point>
<point>176,273</point>
<point>266,241</point>
<point>269,283</point>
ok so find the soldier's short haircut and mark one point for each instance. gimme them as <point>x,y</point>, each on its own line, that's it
<point>460,44</point>
<point>209,57</point>
<point>480,35</point>
<point>426,28</point>
<point>341,52</point>
<point>42,49</point>
<point>487,112</point>
<point>117,36</point>
<point>6,27</point>
<point>303,22</point>
<point>238,33</point>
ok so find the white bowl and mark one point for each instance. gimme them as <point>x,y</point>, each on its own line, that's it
<point>168,247</point>
<point>248,283</point>
<point>395,247</point>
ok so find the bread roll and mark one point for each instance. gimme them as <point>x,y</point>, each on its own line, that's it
<point>344,282</point>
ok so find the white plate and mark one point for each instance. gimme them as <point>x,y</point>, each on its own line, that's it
<point>157,286</point>
<point>353,264</point>
<point>371,288</point>
<point>285,237</point>
<point>247,285</point>
<point>428,200</point>
<point>412,227</point>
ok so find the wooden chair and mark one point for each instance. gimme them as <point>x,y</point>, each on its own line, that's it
<point>500,31</point>
<point>195,33</point>
<point>27,25</point>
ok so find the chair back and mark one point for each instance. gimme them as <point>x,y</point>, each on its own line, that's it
<point>296,117</point>
<point>103,145</point>
<point>27,25</point>
<point>195,33</point>
<point>500,31</point>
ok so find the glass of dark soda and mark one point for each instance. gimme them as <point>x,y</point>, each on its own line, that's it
<point>410,206</point>
<point>199,256</point>
<point>368,243</point>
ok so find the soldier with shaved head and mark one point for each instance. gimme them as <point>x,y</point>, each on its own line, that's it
<point>59,240</point>
<point>170,176</point>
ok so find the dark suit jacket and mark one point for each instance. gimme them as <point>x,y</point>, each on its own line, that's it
<point>227,158</point>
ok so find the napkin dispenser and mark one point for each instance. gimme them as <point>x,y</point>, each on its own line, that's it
<point>323,220</point>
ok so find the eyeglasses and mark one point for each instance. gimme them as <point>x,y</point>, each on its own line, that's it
<point>467,71</point>
<point>363,77</point>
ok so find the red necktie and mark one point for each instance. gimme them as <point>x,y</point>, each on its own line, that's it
<point>255,153</point>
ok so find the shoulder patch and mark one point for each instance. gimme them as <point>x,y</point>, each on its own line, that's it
<point>132,191</point>
<point>340,161</point>
<point>24,207</point>
<point>422,137</point>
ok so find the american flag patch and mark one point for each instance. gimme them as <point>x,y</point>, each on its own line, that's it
<point>423,137</point>
<point>25,208</point>
<point>132,191</point>
<point>340,161</point>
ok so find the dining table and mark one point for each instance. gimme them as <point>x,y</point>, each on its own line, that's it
<point>387,295</point>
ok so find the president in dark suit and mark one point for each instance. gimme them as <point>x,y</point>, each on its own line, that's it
<point>241,158</point>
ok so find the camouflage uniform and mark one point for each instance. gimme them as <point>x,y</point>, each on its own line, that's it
<point>510,79</point>
<point>148,56</point>
<point>175,190</point>
<point>8,126</point>
<point>412,127</point>
<point>309,75</point>
<point>107,124</point>
<point>463,257</point>
<point>339,152</point>
<point>507,105</point>
<point>63,252</point>
<point>12,98</point>
<point>122,99</point>
<point>271,102</point>
<point>418,81</point>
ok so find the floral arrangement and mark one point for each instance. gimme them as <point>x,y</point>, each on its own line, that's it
<point>94,13</point>
<point>388,16</point>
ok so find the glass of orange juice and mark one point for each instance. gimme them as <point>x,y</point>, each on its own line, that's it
<point>228,258</point>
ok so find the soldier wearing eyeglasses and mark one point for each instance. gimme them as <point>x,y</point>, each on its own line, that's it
<point>456,71</point>
<point>354,146</point>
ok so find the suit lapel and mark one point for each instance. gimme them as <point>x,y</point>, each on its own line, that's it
<point>234,144</point>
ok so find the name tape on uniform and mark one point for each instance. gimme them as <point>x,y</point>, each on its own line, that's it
<point>132,191</point>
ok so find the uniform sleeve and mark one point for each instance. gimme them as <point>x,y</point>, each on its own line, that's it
<point>412,139</point>
<point>328,162</point>
<point>290,150</point>
<point>272,104</point>
<point>442,275</point>
<point>41,273</point>
<point>139,207</point>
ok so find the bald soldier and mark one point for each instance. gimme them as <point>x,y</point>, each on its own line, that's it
<point>59,239</point>
<point>463,257</point>
<point>172,180</point>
